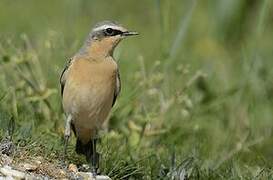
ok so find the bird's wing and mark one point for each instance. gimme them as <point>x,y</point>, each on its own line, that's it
<point>117,88</point>
<point>64,74</point>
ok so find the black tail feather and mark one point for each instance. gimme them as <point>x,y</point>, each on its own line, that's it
<point>85,149</point>
<point>81,148</point>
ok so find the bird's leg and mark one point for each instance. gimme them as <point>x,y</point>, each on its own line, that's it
<point>94,157</point>
<point>67,133</point>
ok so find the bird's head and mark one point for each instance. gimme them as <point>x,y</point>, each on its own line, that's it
<point>105,36</point>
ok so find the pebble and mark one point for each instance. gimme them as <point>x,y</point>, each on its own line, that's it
<point>89,176</point>
<point>72,168</point>
<point>6,160</point>
<point>30,167</point>
<point>62,172</point>
<point>8,172</point>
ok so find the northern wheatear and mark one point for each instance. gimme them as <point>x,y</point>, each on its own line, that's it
<point>90,84</point>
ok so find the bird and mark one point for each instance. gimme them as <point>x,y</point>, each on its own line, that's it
<point>90,84</point>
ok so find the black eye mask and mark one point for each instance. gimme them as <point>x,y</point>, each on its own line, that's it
<point>111,32</point>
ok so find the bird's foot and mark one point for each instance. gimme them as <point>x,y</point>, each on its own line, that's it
<point>94,172</point>
<point>95,164</point>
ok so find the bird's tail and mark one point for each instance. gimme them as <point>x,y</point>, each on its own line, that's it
<point>85,149</point>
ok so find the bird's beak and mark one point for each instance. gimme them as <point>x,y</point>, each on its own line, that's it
<point>130,33</point>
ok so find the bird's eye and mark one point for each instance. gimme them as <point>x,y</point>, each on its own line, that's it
<point>109,31</point>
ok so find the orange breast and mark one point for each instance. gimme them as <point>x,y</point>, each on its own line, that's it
<point>88,94</point>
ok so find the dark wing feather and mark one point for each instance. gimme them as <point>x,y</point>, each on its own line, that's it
<point>117,88</point>
<point>64,74</point>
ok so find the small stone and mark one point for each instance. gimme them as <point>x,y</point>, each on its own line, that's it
<point>72,168</point>
<point>30,167</point>
<point>37,162</point>
<point>7,178</point>
<point>102,177</point>
<point>7,171</point>
<point>85,166</point>
<point>6,160</point>
<point>85,175</point>
<point>6,146</point>
<point>39,158</point>
<point>62,172</point>
<point>89,176</point>
<point>32,177</point>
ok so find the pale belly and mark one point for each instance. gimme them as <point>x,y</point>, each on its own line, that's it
<point>89,105</point>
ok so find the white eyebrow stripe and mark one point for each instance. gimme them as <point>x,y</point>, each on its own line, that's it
<point>108,26</point>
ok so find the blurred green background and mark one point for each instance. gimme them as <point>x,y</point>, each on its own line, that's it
<point>197,84</point>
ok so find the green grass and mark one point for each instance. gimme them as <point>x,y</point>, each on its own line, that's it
<point>197,85</point>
